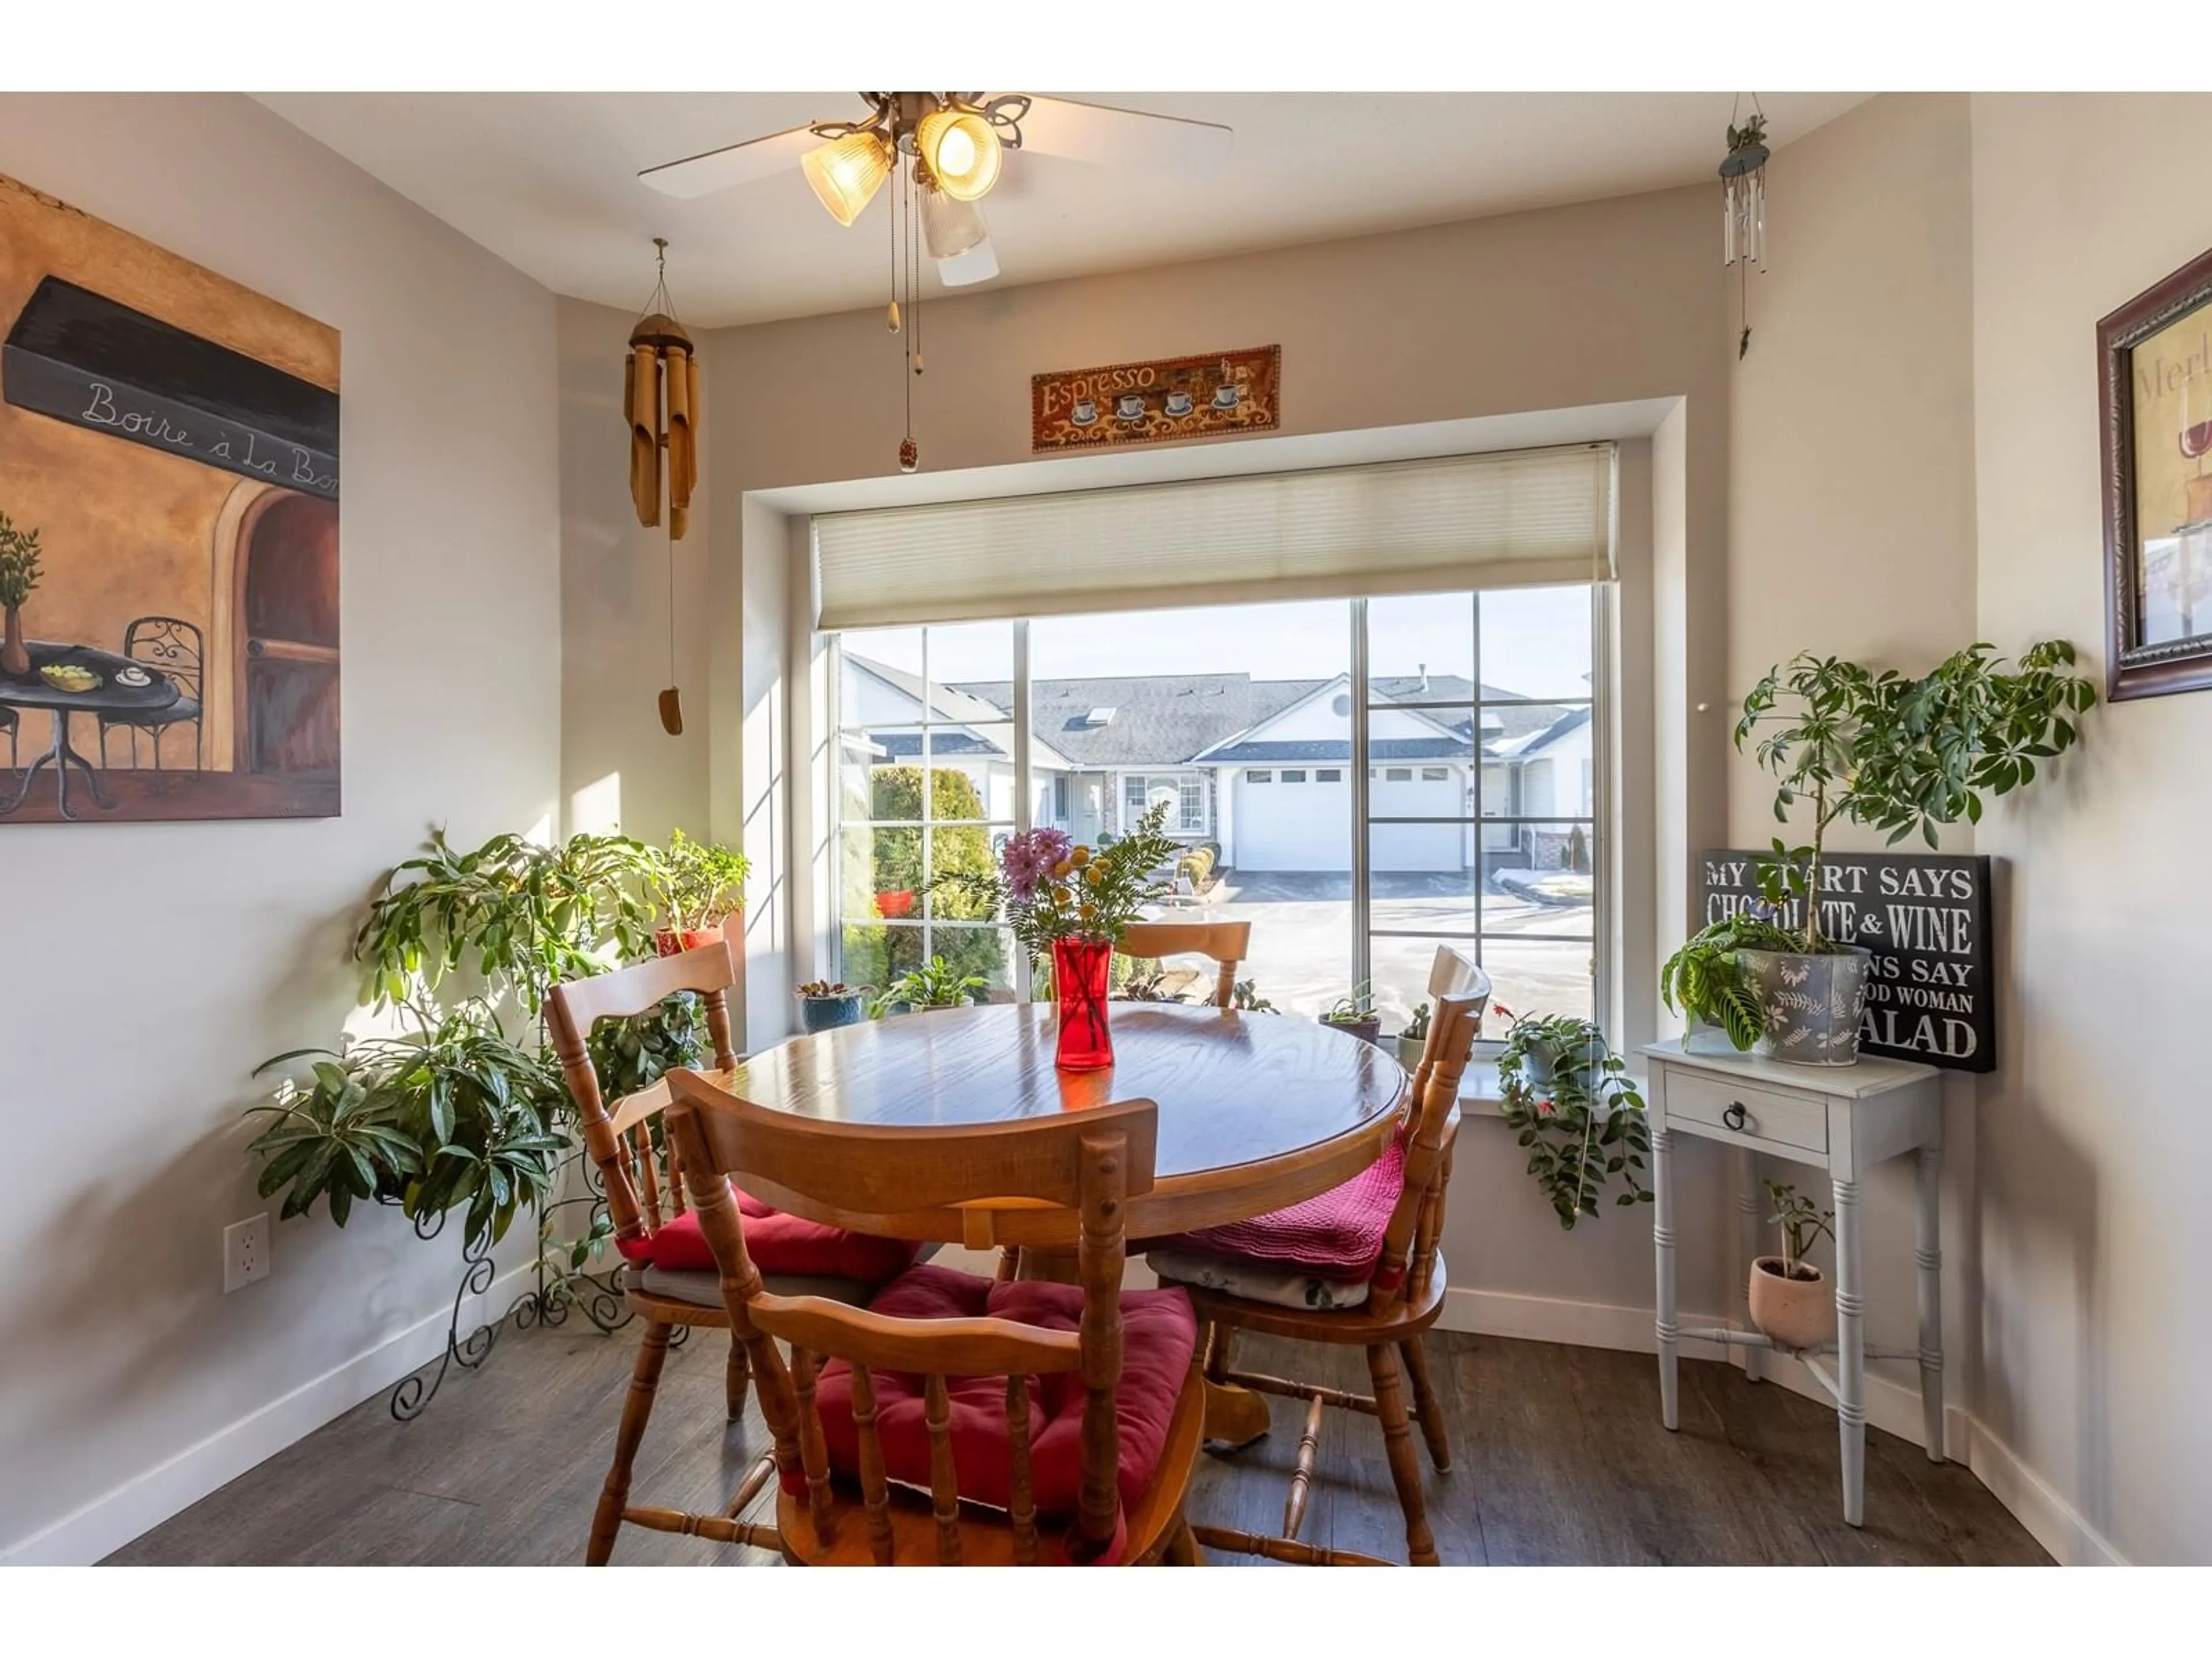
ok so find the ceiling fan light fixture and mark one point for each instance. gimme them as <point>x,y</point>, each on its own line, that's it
<point>847,173</point>
<point>961,149</point>
<point>950,226</point>
<point>980,263</point>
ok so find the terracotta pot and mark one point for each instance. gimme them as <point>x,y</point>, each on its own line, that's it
<point>1793,1313</point>
<point>15,655</point>
<point>670,941</point>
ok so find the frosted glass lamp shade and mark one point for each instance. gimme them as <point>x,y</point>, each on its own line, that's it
<point>950,228</point>
<point>961,150</point>
<point>847,173</point>
<point>980,263</point>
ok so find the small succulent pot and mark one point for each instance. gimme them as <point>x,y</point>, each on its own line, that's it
<point>1367,1029</point>
<point>1410,1049</point>
<point>827,1013</point>
<point>1814,1003</point>
<point>1793,1309</point>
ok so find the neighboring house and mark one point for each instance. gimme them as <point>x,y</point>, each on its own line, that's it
<point>1261,767</point>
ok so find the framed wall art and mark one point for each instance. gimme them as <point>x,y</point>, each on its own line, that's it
<point>2155,374</point>
<point>169,534</point>
<point>1213,394</point>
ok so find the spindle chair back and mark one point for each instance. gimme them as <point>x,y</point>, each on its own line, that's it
<point>1091,1162</point>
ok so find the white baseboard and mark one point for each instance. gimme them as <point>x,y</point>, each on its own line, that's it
<point>2056,1524</point>
<point>1891,1405</point>
<point>110,1521</point>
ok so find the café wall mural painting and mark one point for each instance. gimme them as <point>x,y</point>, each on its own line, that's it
<point>169,534</point>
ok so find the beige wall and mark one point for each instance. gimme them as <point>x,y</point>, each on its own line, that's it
<point>149,967</point>
<point>2095,1135</point>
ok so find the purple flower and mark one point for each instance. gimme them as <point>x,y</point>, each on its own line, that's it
<point>1029,858</point>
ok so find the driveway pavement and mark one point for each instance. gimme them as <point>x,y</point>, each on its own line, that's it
<point>1301,940</point>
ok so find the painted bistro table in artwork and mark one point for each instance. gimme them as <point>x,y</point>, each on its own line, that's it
<point>1256,1112</point>
<point>103,684</point>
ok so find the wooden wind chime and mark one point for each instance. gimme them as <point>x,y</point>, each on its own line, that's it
<point>661,398</point>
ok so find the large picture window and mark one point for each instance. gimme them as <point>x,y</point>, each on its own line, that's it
<point>1375,776</point>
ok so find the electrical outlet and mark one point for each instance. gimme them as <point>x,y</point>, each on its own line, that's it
<point>244,1252</point>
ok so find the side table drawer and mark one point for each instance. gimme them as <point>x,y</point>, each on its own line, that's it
<point>1766,1115</point>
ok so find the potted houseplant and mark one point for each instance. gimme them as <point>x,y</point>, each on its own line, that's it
<point>1415,1039</point>
<point>697,884</point>
<point>935,984</point>
<point>1244,997</point>
<point>1789,1301</point>
<point>824,1005</point>
<point>1354,1014</point>
<point>19,574</point>
<point>1072,903</point>
<point>1568,1099</point>
<point>1704,980</point>
<point>1896,755</point>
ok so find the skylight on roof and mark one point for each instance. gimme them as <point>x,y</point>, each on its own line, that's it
<point>1100,716</point>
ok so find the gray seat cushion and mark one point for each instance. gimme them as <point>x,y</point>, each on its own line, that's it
<point>704,1290</point>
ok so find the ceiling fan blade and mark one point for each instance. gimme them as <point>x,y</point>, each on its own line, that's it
<point>1101,133</point>
<point>978,264</point>
<point>734,164</point>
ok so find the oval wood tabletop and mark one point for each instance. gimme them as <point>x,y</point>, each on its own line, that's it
<point>1255,1111</point>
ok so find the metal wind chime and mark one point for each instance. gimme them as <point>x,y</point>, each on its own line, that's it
<point>1743,208</point>
<point>661,394</point>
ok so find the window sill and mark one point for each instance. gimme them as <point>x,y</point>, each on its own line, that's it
<point>1482,1094</point>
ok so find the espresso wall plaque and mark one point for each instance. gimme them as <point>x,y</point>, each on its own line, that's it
<point>1925,917</point>
<point>1200,397</point>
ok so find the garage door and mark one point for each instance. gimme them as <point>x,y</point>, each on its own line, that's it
<point>1417,791</point>
<point>1295,817</point>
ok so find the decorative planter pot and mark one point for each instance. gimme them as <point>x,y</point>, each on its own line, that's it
<point>1813,1003</point>
<point>827,1013</point>
<point>1796,1312</point>
<point>14,654</point>
<point>1410,1049</point>
<point>1368,1030</point>
<point>670,941</point>
<point>1080,969</point>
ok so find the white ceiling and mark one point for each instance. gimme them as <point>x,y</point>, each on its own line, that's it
<point>548,181</point>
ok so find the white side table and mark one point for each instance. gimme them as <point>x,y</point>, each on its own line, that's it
<point>1846,1119</point>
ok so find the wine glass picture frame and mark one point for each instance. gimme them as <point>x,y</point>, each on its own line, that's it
<point>2154,394</point>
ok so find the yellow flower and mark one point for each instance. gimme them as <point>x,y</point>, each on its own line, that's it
<point>1094,875</point>
<point>1080,857</point>
<point>1088,914</point>
<point>1061,869</point>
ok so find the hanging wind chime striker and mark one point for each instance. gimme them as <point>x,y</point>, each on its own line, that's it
<point>661,396</point>
<point>1743,208</point>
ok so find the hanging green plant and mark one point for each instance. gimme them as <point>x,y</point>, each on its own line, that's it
<point>1569,1101</point>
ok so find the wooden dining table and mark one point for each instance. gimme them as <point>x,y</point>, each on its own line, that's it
<point>1256,1111</point>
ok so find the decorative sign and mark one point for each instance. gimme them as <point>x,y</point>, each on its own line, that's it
<point>1926,918</point>
<point>1199,396</point>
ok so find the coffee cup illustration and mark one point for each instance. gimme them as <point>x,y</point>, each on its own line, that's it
<point>1084,412</point>
<point>1130,406</point>
<point>1226,396</point>
<point>1178,402</point>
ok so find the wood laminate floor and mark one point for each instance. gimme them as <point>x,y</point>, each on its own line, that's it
<point>1559,1458</point>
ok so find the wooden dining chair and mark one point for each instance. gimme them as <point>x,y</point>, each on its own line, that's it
<point>1226,942</point>
<point>669,1279</point>
<point>1285,1275</point>
<point>956,1420</point>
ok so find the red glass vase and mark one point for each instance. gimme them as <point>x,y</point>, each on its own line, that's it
<point>1079,968</point>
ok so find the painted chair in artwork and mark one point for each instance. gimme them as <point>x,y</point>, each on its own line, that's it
<point>170,647</point>
<point>669,1280</point>
<point>1360,1266</point>
<point>956,1420</point>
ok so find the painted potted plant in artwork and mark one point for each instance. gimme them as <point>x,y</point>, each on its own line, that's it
<point>825,1005</point>
<point>1895,755</point>
<point>1571,1104</point>
<point>1790,1299</point>
<point>1354,1014</point>
<point>1072,903</point>
<point>19,574</point>
<point>1413,1040</point>
<point>698,885</point>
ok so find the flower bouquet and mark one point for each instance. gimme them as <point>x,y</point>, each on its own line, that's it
<point>1073,903</point>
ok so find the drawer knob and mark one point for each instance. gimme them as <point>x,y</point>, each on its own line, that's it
<point>1734,1117</point>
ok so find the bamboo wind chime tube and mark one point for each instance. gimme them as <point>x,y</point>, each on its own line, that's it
<point>662,399</point>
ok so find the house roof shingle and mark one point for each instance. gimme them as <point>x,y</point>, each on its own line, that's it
<point>1158,718</point>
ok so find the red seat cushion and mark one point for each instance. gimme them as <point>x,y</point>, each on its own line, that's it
<point>778,1243</point>
<point>1158,1336</point>
<point>1336,1235</point>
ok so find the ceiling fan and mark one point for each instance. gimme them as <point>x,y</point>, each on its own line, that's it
<point>954,144</point>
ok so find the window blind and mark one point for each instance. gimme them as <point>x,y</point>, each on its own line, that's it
<point>1522,518</point>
